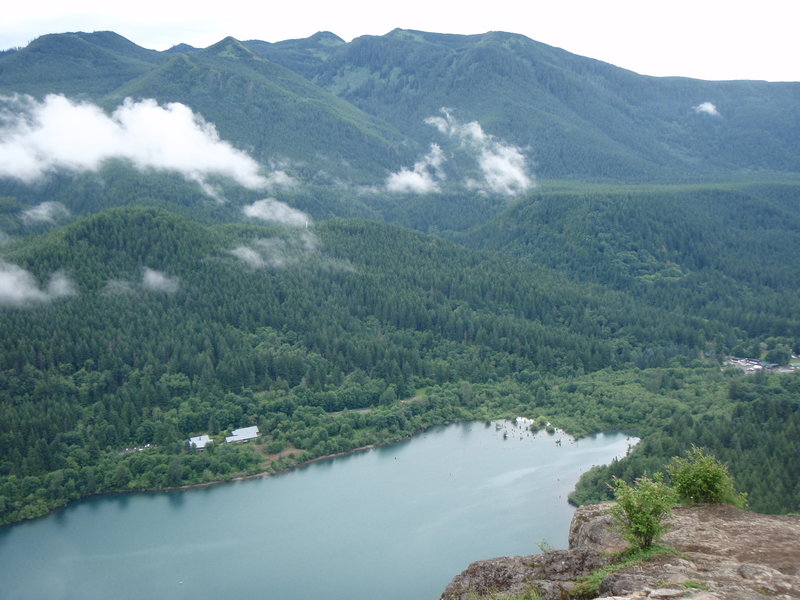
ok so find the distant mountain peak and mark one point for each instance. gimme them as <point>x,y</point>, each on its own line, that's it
<point>180,48</point>
<point>230,47</point>
<point>411,35</point>
<point>327,38</point>
<point>106,40</point>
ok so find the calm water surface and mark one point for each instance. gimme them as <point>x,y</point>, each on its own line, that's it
<point>393,523</point>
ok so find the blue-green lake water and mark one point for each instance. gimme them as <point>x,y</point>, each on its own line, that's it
<point>396,522</point>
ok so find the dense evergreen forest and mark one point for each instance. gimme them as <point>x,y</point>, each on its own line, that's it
<point>142,305</point>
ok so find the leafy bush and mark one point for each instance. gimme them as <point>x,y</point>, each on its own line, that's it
<point>700,478</point>
<point>642,509</point>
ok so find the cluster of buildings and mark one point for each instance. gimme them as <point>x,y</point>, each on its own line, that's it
<point>751,365</point>
<point>237,436</point>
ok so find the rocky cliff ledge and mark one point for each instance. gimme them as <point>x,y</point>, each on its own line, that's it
<point>722,553</point>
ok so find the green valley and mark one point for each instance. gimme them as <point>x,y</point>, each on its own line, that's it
<point>346,243</point>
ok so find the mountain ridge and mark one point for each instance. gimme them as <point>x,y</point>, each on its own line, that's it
<point>578,117</point>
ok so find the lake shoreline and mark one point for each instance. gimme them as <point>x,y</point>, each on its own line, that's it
<point>240,478</point>
<point>428,505</point>
<point>304,463</point>
<point>310,461</point>
<point>235,479</point>
<point>360,449</point>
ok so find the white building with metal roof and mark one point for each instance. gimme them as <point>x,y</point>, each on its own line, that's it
<point>242,435</point>
<point>199,441</point>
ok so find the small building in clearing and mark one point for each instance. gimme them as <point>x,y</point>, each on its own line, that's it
<point>199,441</point>
<point>242,435</point>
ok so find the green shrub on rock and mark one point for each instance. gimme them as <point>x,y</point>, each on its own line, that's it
<point>642,509</point>
<point>702,479</point>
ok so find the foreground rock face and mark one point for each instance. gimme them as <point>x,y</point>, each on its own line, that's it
<point>723,553</point>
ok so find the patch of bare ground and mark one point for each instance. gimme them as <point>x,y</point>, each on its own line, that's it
<point>275,456</point>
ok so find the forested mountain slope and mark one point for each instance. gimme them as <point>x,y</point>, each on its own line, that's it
<point>704,250</point>
<point>142,327</point>
<point>76,64</point>
<point>575,117</point>
<point>579,117</point>
<point>343,276</point>
<point>271,112</point>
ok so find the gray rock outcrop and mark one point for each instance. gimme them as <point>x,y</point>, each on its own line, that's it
<point>722,553</point>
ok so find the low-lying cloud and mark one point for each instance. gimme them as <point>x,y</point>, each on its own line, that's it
<point>292,247</point>
<point>706,108</point>
<point>251,257</point>
<point>270,209</point>
<point>19,287</point>
<point>502,167</point>
<point>41,137</point>
<point>278,252</point>
<point>151,280</point>
<point>46,212</point>
<point>424,178</point>
<point>156,281</point>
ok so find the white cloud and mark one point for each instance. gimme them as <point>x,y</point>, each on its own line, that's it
<point>249,256</point>
<point>60,286</point>
<point>37,138</point>
<point>19,288</point>
<point>157,281</point>
<point>270,209</point>
<point>278,252</point>
<point>291,248</point>
<point>46,212</point>
<point>503,167</point>
<point>706,108</point>
<point>424,178</point>
<point>279,178</point>
<point>504,170</point>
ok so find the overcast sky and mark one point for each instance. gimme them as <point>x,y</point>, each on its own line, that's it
<point>707,39</point>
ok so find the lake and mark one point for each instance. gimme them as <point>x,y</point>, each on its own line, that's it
<point>396,522</point>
